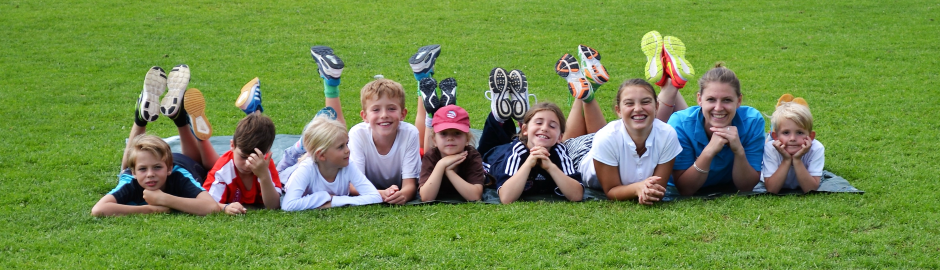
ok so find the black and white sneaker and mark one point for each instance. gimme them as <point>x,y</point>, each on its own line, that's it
<point>519,88</point>
<point>154,86</point>
<point>328,64</point>
<point>428,87</point>
<point>448,92</point>
<point>423,60</point>
<point>176,84</point>
<point>499,95</point>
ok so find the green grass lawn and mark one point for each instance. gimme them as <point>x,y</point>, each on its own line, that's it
<point>70,72</point>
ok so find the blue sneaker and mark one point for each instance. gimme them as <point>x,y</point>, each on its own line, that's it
<point>176,84</point>
<point>422,62</point>
<point>328,64</point>
<point>147,102</point>
<point>329,112</point>
<point>249,100</point>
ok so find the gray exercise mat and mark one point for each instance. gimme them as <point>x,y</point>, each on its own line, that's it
<point>830,182</point>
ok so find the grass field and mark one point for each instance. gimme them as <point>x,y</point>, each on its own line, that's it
<point>71,70</point>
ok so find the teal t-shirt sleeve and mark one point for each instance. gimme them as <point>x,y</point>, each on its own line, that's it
<point>687,156</point>
<point>754,141</point>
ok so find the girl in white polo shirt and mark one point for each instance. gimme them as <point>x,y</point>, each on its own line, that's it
<point>630,158</point>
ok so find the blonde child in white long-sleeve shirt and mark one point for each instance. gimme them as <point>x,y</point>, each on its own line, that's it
<point>323,177</point>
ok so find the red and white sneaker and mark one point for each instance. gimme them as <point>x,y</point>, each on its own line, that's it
<point>678,69</point>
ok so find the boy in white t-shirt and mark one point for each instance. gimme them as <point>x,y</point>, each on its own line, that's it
<point>383,147</point>
<point>793,159</point>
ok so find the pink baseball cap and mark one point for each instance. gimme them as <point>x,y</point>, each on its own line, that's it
<point>451,116</point>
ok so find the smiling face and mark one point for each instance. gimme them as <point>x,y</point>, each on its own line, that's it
<point>719,104</point>
<point>637,108</point>
<point>384,115</point>
<point>544,129</point>
<point>150,171</point>
<point>791,135</point>
<point>337,155</point>
<point>450,141</point>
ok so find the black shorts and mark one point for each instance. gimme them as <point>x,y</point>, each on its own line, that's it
<point>197,170</point>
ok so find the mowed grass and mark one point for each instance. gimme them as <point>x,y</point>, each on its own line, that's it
<point>71,70</point>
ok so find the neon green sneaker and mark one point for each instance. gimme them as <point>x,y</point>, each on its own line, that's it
<point>652,46</point>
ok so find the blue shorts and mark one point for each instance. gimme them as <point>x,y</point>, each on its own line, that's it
<point>197,170</point>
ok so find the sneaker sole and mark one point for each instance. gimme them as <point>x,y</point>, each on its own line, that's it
<point>784,98</point>
<point>679,70</point>
<point>563,67</point>
<point>592,63</point>
<point>423,60</point>
<point>246,94</point>
<point>448,92</point>
<point>176,83</point>
<point>154,86</point>
<point>569,68</point>
<point>195,105</point>
<point>652,46</point>
<point>498,86</point>
<point>328,63</point>
<point>327,112</point>
<point>428,87</point>
<point>519,89</point>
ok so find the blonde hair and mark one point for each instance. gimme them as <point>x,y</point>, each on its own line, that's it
<point>320,134</point>
<point>380,88</point>
<point>720,74</point>
<point>151,144</point>
<point>798,113</point>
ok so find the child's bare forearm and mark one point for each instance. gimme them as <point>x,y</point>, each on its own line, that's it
<point>572,189</point>
<point>807,182</point>
<point>432,186</point>
<point>512,189</point>
<point>470,192</point>
<point>202,205</point>
<point>115,209</point>
<point>775,182</point>
<point>269,194</point>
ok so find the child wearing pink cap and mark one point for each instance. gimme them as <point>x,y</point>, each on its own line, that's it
<point>453,167</point>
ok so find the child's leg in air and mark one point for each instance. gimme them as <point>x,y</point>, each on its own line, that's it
<point>499,127</point>
<point>584,78</point>
<point>678,71</point>
<point>194,129</point>
<point>671,101</point>
<point>422,64</point>
<point>584,118</point>
<point>330,67</point>
<point>147,108</point>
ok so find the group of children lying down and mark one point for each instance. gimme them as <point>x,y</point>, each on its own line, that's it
<point>525,149</point>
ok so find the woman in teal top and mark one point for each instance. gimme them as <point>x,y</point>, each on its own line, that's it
<point>722,141</point>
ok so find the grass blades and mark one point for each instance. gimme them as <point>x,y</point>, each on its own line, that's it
<point>71,71</point>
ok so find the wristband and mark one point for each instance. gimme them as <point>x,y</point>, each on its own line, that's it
<point>223,207</point>
<point>667,105</point>
<point>698,169</point>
